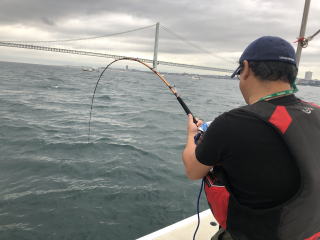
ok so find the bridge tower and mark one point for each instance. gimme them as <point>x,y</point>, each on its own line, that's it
<point>155,51</point>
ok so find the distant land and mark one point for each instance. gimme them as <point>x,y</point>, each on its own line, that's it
<point>302,81</point>
<point>195,77</point>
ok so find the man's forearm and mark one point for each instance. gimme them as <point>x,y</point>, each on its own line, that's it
<point>193,168</point>
<point>189,156</point>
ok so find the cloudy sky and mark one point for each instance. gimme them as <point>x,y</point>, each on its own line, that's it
<point>217,31</point>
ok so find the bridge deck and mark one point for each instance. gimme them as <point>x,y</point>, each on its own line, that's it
<point>96,54</point>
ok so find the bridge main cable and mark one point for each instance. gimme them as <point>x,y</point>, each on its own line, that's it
<point>80,39</point>
<point>104,55</point>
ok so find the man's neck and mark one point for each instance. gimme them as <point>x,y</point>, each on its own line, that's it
<point>267,88</point>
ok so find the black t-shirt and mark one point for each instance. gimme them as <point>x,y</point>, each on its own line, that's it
<point>259,168</point>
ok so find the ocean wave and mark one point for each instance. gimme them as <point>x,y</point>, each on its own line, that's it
<point>78,187</point>
<point>55,79</point>
<point>103,97</point>
<point>42,147</point>
<point>56,87</point>
<point>125,148</point>
<point>16,226</point>
<point>14,196</point>
<point>18,129</point>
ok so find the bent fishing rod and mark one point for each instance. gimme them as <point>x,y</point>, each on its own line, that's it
<point>171,88</point>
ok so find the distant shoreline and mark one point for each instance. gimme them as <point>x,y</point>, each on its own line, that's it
<point>301,82</point>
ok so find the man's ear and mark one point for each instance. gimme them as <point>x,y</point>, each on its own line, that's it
<point>245,70</point>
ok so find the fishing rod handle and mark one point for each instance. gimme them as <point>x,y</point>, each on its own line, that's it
<point>186,109</point>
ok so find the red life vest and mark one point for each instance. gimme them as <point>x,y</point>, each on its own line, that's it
<point>296,219</point>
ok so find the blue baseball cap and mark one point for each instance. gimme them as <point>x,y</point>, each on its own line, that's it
<point>268,48</point>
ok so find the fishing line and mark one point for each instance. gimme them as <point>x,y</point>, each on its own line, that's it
<point>174,92</point>
<point>198,210</point>
<point>171,88</point>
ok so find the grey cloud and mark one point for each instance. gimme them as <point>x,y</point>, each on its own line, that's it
<point>48,21</point>
<point>219,26</point>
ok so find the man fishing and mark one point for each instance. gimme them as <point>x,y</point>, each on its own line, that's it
<point>261,162</point>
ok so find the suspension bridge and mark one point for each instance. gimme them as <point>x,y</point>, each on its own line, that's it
<point>35,45</point>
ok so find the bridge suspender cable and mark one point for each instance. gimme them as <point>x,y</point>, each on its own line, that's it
<point>185,40</point>
<point>195,46</point>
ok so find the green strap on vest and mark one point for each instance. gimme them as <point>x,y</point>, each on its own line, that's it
<point>281,93</point>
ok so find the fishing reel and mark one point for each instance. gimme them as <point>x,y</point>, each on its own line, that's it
<point>201,130</point>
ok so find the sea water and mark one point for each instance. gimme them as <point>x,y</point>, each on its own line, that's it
<point>128,180</point>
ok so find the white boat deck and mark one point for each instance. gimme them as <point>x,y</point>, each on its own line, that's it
<point>184,229</point>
